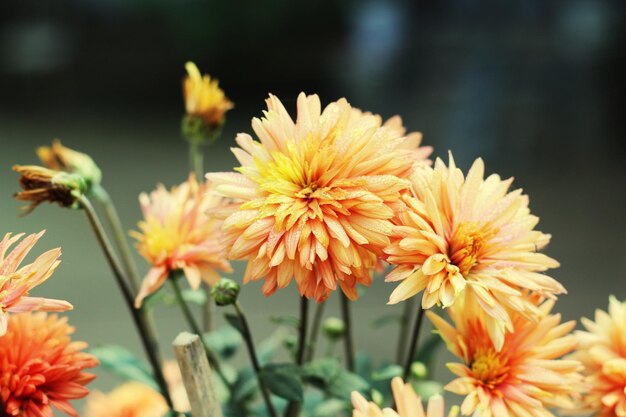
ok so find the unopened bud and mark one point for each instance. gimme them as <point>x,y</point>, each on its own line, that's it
<point>42,184</point>
<point>419,370</point>
<point>225,292</point>
<point>378,398</point>
<point>61,158</point>
<point>334,328</point>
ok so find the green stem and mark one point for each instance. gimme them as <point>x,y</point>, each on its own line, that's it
<point>196,159</point>
<point>404,326</point>
<point>148,337</point>
<point>196,165</point>
<point>191,321</point>
<point>247,336</point>
<point>293,408</point>
<point>348,337</point>
<point>315,330</point>
<point>414,338</point>
<point>110,212</point>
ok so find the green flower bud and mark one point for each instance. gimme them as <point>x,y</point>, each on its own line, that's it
<point>419,370</point>
<point>225,292</point>
<point>378,398</point>
<point>334,328</point>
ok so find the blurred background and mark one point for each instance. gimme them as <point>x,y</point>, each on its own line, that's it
<point>536,88</point>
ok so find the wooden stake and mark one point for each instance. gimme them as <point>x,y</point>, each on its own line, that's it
<point>196,373</point>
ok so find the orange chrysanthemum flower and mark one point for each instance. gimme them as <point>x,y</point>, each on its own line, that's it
<point>316,196</point>
<point>16,282</point>
<point>131,399</point>
<point>469,234</point>
<point>177,234</point>
<point>407,402</point>
<point>524,378</point>
<point>602,350</point>
<point>41,367</point>
<point>204,98</point>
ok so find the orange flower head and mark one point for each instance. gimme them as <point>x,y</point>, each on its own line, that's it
<point>177,234</point>
<point>469,235</point>
<point>16,282</point>
<point>131,399</point>
<point>602,350</point>
<point>204,98</point>
<point>60,158</point>
<point>41,367</point>
<point>315,197</point>
<point>525,377</point>
<point>407,403</point>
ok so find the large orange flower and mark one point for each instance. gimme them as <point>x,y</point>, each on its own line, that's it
<point>407,403</point>
<point>602,350</point>
<point>177,234</point>
<point>41,367</point>
<point>316,196</point>
<point>524,378</point>
<point>469,234</point>
<point>16,282</point>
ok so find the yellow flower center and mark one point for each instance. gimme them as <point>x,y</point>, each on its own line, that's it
<point>161,240</point>
<point>489,367</point>
<point>467,244</point>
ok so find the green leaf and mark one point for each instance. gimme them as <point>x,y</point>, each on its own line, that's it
<point>283,380</point>
<point>124,364</point>
<point>289,321</point>
<point>330,407</point>
<point>197,297</point>
<point>235,321</point>
<point>268,348</point>
<point>426,389</point>
<point>387,373</point>
<point>385,320</point>
<point>346,382</point>
<point>224,341</point>
<point>329,375</point>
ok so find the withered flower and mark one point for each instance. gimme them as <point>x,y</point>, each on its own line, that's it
<point>41,184</point>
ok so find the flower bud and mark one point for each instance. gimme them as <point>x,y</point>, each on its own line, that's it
<point>205,105</point>
<point>334,328</point>
<point>42,184</point>
<point>419,370</point>
<point>60,158</point>
<point>225,292</point>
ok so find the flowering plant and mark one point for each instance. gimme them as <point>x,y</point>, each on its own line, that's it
<point>325,202</point>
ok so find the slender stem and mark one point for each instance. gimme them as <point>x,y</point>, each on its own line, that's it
<point>148,337</point>
<point>293,408</point>
<point>348,337</point>
<point>191,321</point>
<point>119,236</point>
<point>315,330</point>
<point>196,159</point>
<point>404,326</point>
<point>247,336</point>
<point>196,164</point>
<point>414,338</point>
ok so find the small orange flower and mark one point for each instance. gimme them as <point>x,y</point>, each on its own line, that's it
<point>602,350</point>
<point>41,367</point>
<point>204,98</point>
<point>524,378</point>
<point>177,234</point>
<point>407,402</point>
<point>131,399</point>
<point>315,197</point>
<point>16,282</point>
<point>60,158</point>
<point>469,234</point>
